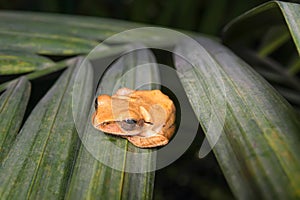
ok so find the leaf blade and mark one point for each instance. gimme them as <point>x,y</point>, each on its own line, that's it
<point>92,178</point>
<point>80,26</point>
<point>48,44</point>
<point>254,164</point>
<point>13,105</point>
<point>270,14</point>
<point>38,164</point>
<point>14,62</point>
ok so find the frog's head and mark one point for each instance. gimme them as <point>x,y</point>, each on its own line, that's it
<point>121,115</point>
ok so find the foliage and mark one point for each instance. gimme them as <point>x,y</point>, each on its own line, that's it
<point>42,155</point>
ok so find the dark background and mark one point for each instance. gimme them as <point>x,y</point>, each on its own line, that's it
<point>205,16</point>
<point>189,177</point>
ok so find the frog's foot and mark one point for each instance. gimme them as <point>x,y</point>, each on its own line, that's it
<point>148,142</point>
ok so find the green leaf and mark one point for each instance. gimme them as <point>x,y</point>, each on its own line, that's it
<point>276,74</point>
<point>274,38</point>
<point>107,178</point>
<point>257,20</point>
<point>104,51</point>
<point>13,104</point>
<point>271,26</point>
<point>47,44</point>
<point>39,163</point>
<point>45,28</point>
<point>39,73</point>
<point>258,146</point>
<point>149,36</point>
<point>67,25</point>
<point>294,67</point>
<point>16,62</point>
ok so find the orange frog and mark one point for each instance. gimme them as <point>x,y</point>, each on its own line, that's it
<point>144,117</point>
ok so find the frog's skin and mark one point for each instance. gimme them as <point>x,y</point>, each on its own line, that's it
<point>145,117</point>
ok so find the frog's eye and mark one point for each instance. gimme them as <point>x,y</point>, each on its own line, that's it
<point>96,103</point>
<point>130,121</point>
<point>128,124</point>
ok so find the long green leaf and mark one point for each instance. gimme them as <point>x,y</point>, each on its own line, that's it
<point>104,51</point>
<point>260,18</point>
<point>258,149</point>
<point>39,163</point>
<point>82,26</point>
<point>13,104</point>
<point>276,74</point>
<point>16,62</point>
<point>42,72</point>
<point>271,26</point>
<point>44,26</point>
<point>47,44</point>
<point>107,179</point>
<point>274,38</point>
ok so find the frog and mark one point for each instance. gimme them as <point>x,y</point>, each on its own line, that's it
<point>146,118</point>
